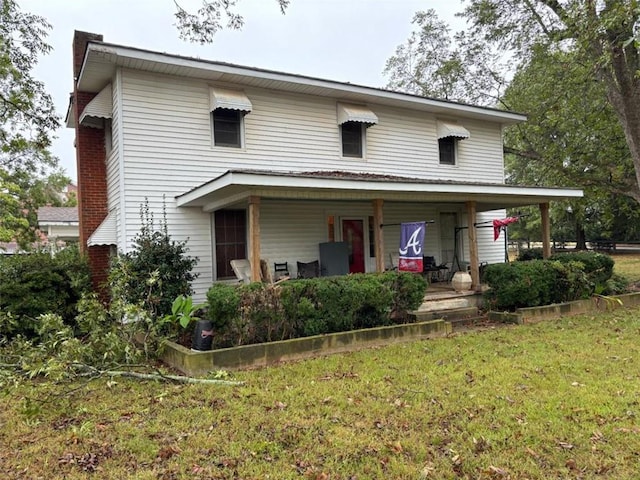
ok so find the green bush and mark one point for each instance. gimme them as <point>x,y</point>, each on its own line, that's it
<point>534,283</point>
<point>408,293</point>
<point>37,283</point>
<point>155,272</point>
<point>258,313</point>
<point>529,254</point>
<point>597,266</point>
<point>223,302</point>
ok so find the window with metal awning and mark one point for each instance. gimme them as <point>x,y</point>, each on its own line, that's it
<point>106,233</point>
<point>353,120</point>
<point>356,113</point>
<point>99,109</point>
<point>229,100</point>
<point>448,129</point>
<point>448,136</point>
<point>228,108</point>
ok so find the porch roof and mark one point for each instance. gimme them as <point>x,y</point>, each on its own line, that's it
<point>236,186</point>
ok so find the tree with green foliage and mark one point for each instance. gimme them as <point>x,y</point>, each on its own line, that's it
<point>27,120</point>
<point>602,37</point>
<point>155,271</point>
<point>571,139</point>
<point>435,63</point>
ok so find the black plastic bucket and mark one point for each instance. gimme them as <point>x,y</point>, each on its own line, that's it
<point>202,335</point>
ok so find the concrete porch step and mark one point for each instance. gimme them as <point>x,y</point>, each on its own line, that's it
<point>450,300</point>
<point>449,314</point>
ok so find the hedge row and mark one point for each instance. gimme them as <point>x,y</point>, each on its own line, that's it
<point>562,278</point>
<point>258,313</point>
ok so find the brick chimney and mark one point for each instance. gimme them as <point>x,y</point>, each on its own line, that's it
<point>92,171</point>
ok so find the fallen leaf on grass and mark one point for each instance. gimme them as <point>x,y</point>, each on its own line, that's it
<point>565,445</point>
<point>168,452</point>
<point>396,447</point>
<point>427,471</point>
<point>276,406</point>
<point>495,472</point>
<point>533,453</point>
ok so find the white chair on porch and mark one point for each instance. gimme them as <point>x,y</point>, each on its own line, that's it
<point>242,269</point>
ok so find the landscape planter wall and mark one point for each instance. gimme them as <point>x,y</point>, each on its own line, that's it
<point>194,363</point>
<point>578,307</point>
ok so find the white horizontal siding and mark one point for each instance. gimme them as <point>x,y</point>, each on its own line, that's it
<point>168,123</point>
<point>167,148</point>
<point>490,251</point>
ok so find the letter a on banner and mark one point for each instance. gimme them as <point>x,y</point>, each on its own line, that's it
<point>411,245</point>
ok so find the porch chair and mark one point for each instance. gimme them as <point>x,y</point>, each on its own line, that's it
<point>280,270</point>
<point>242,269</point>
<point>308,269</point>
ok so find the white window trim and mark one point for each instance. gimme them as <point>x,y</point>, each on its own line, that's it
<point>363,143</point>
<point>242,146</point>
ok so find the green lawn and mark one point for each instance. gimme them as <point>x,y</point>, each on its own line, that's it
<point>628,265</point>
<point>558,399</point>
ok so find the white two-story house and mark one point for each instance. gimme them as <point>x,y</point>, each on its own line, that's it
<point>258,164</point>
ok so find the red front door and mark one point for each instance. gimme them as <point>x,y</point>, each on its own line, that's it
<point>353,234</point>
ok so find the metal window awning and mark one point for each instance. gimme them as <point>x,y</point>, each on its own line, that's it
<point>230,99</point>
<point>356,113</point>
<point>446,129</point>
<point>98,109</point>
<point>105,234</point>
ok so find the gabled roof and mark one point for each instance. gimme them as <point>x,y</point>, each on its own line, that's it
<point>101,60</point>
<point>48,215</point>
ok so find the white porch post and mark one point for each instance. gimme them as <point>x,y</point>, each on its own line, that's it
<point>474,264</point>
<point>378,237</point>
<point>254,235</point>
<point>546,230</point>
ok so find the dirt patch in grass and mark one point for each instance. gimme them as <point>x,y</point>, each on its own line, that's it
<point>556,399</point>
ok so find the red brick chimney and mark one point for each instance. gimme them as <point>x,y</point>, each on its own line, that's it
<point>92,171</point>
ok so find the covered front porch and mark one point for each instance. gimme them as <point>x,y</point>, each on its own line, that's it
<point>288,215</point>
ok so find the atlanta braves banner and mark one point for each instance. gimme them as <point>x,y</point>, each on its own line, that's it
<point>411,243</point>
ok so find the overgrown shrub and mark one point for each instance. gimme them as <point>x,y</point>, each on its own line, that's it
<point>259,313</point>
<point>155,271</point>
<point>37,283</point>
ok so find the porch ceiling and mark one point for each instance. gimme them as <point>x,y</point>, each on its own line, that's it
<point>237,185</point>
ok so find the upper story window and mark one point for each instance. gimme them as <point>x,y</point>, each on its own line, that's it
<point>353,121</point>
<point>352,139</point>
<point>448,136</point>
<point>228,108</point>
<point>227,128</point>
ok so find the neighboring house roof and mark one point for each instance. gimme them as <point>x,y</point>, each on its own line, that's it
<point>101,60</point>
<point>239,184</point>
<point>57,215</point>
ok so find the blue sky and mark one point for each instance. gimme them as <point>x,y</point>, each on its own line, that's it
<point>344,40</point>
